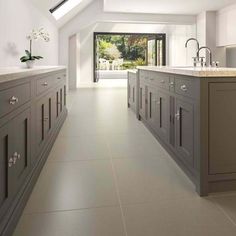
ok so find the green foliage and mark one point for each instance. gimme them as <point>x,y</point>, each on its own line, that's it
<point>131,47</point>
<point>29,57</point>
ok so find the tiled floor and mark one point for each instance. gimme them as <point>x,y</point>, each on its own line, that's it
<point>108,176</point>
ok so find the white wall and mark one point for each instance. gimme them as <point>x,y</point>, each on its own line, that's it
<point>17,19</point>
<point>206,35</point>
<point>231,57</point>
<point>73,61</point>
<point>226,30</point>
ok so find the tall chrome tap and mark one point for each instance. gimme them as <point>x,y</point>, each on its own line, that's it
<point>195,59</point>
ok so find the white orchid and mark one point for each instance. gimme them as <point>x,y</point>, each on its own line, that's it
<point>36,34</point>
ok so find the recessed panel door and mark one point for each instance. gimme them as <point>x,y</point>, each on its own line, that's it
<point>20,152</point>
<point>185,131</point>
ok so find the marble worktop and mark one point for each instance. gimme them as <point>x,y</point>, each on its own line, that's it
<point>14,73</point>
<point>132,71</point>
<point>193,71</point>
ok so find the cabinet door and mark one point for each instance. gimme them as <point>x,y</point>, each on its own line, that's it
<point>48,115</point>
<point>20,152</point>
<point>5,144</point>
<point>222,128</point>
<point>152,103</point>
<point>41,112</point>
<point>172,121</point>
<point>129,92</point>
<point>163,115</point>
<point>59,101</point>
<point>142,101</point>
<point>185,130</point>
<point>65,96</point>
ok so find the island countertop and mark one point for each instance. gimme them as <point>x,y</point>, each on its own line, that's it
<point>14,73</point>
<point>192,71</point>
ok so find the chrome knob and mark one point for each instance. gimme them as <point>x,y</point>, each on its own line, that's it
<point>45,84</point>
<point>15,158</point>
<point>177,116</point>
<point>184,88</point>
<point>18,156</point>
<point>172,84</point>
<point>10,162</point>
<point>13,100</point>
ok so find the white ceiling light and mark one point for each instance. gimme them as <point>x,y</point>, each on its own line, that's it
<point>63,8</point>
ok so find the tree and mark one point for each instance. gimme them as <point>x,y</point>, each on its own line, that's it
<point>112,53</point>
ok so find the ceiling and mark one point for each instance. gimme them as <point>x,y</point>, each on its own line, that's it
<point>45,5</point>
<point>187,7</point>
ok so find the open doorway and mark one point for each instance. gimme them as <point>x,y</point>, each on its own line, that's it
<point>115,53</point>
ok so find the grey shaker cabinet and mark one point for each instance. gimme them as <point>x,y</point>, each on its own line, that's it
<point>184,130</point>
<point>5,144</point>
<point>169,111</point>
<point>15,157</point>
<point>20,154</point>
<point>32,112</point>
<point>222,141</point>
<point>152,107</point>
<point>163,115</point>
<point>43,121</point>
<point>195,122</point>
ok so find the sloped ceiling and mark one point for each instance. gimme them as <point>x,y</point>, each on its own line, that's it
<point>185,7</point>
<point>45,5</point>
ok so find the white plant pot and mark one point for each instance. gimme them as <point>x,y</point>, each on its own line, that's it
<point>30,64</point>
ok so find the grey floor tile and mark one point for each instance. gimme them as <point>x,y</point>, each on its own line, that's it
<point>150,180</point>
<point>91,222</point>
<point>195,217</point>
<point>80,148</point>
<point>73,185</point>
<point>228,204</point>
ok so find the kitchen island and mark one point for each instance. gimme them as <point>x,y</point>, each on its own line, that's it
<point>192,112</point>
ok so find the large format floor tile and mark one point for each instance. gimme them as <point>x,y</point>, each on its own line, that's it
<point>91,222</point>
<point>80,148</point>
<point>182,217</point>
<point>134,146</point>
<point>73,185</point>
<point>228,204</point>
<point>151,180</point>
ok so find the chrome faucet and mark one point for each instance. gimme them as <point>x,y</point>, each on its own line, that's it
<point>210,54</point>
<point>195,59</point>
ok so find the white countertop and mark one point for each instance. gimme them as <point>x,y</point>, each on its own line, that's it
<point>13,73</point>
<point>132,71</point>
<point>192,71</point>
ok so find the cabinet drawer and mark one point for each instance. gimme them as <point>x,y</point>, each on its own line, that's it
<point>43,84</point>
<point>143,75</point>
<point>131,76</point>
<point>160,80</point>
<point>13,98</point>
<point>186,87</point>
<point>59,77</point>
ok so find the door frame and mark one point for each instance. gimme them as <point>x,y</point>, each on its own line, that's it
<point>156,35</point>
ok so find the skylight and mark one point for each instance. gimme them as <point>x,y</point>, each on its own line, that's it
<point>63,7</point>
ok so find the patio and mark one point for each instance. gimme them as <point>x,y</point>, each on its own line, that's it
<point>112,74</point>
